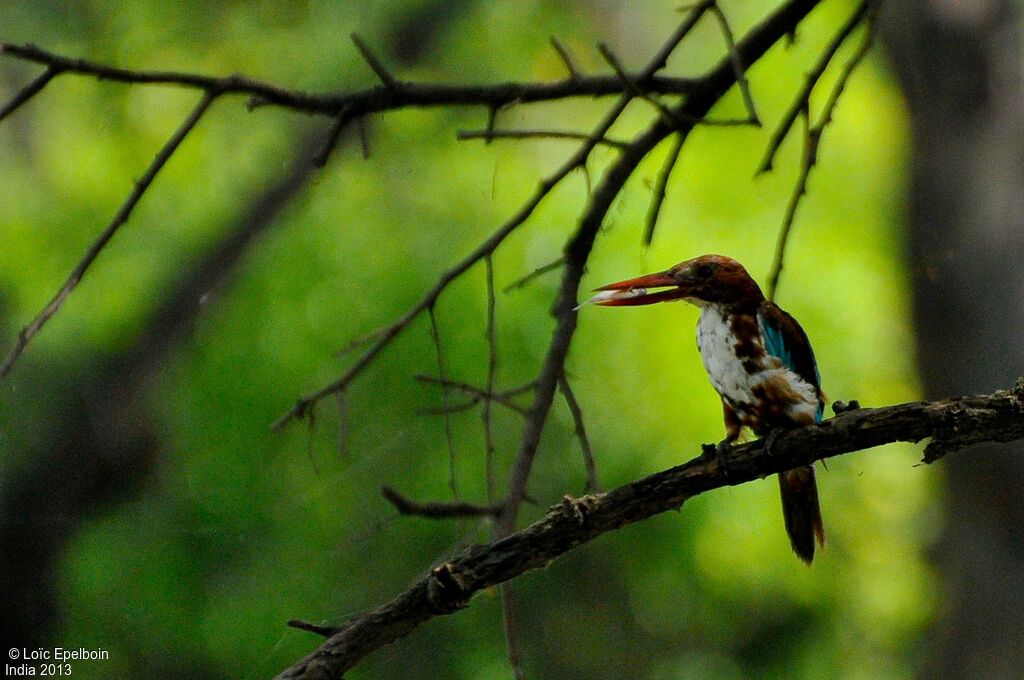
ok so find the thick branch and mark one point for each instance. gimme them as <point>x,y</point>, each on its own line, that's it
<point>952,424</point>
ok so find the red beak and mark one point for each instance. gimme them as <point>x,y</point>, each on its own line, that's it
<point>634,291</point>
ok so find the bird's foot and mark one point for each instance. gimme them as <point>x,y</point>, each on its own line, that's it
<point>578,508</point>
<point>844,406</point>
<point>720,451</point>
<point>769,441</point>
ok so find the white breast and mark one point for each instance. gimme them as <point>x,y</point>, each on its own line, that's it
<point>717,345</point>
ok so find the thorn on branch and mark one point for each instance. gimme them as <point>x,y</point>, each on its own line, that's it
<point>325,631</point>
<point>432,510</point>
<point>492,117</point>
<point>32,89</point>
<point>739,69</point>
<point>539,271</point>
<point>492,370</point>
<point>660,189</point>
<point>435,336</point>
<point>566,56</point>
<point>477,394</point>
<point>581,433</point>
<point>801,101</point>
<point>375,63</point>
<point>490,134</point>
<point>813,133</point>
<point>333,136</point>
<point>670,118</point>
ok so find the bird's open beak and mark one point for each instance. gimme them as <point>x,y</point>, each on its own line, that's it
<point>636,291</point>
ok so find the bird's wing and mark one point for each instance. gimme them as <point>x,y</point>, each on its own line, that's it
<point>785,339</point>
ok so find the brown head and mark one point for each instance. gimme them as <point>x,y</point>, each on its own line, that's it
<point>704,279</point>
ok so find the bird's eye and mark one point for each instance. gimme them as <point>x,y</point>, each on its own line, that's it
<point>705,271</point>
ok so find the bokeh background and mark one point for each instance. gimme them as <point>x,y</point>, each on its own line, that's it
<point>149,510</point>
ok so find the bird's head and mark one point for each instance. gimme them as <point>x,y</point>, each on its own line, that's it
<point>708,279</point>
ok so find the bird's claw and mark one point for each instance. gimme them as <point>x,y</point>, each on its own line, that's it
<point>578,508</point>
<point>721,452</point>
<point>769,441</point>
<point>845,406</point>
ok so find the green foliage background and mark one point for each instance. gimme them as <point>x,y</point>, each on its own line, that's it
<point>240,529</point>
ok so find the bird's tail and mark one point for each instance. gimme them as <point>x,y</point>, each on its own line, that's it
<point>801,511</point>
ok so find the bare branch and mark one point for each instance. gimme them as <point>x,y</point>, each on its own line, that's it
<point>26,334</point>
<point>400,94</point>
<point>808,158</point>
<point>953,425</point>
<point>512,636</point>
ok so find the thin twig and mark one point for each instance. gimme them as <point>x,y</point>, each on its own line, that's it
<point>492,370</point>
<point>739,68</point>
<point>633,87</point>
<point>408,506</point>
<point>26,334</point>
<point>29,91</point>
<point>808,155</point>
<point>491,134</point>
<point>479,394</point>
<point>374,63</point>
<point>660,188</point>
<point>435,336</point>
<point>341,121</point>
<point>539,271</point>
<point>342,423</point>
<point>323,631</point>
<point>809,158</point>
<point>593,486</point>
<point>802,99</point>
<point>565,54</point>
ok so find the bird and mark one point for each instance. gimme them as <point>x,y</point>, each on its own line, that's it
<point>758,359</point>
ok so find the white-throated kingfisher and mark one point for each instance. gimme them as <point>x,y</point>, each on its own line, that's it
<point>758,359</point>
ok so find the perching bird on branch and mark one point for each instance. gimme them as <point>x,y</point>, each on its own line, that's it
<point>758,359</point>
